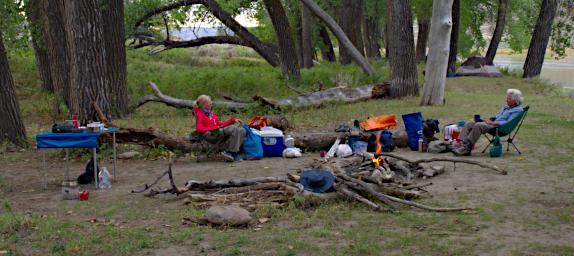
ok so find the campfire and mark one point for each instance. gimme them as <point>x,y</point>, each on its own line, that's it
<point>380,181</point>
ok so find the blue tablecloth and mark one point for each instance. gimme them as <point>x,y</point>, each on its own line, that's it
<point>70,140</point>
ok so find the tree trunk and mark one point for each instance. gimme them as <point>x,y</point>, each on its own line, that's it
<point>350,18</point>
<point>402,49</point>
<point>88,72</point>
<point>56,45</point>
<point>287,51</point>
<point>540,37</point>
<point>114,35</point>
<point>33,13</point>
<point>498,31</point>
<point>386,35</point>
<point>328,53</point>
<point>341,36</point>
<point>372,37</point>
<point>454,36</point>
<point>11,127</point>
<point>306,37</point>
<point>422,38</point>
<point>436,67</point>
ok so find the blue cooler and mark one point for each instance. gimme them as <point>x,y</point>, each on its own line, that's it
<point>272,141</point>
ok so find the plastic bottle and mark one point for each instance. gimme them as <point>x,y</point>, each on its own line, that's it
<point>289,142</point>
<point>104,181</point>
<point>75,121</point>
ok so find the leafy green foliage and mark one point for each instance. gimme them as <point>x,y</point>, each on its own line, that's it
<point>520,23</point>
<point>12,25</point>
<point>563,29</point>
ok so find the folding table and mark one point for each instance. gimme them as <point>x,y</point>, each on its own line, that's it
<point>82,139</point>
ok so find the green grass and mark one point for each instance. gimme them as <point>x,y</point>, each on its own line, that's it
<point>333,228</point>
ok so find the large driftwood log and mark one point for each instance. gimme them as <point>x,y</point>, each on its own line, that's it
<point>343,94</point>
<point>158,96</point>
<point>313,99</point>
<point>152,137</point>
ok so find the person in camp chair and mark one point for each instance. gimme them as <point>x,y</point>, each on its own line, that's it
<point>214,130</point>
<point>474,129</point>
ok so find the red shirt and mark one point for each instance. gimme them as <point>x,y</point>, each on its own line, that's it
<point>204,123</point>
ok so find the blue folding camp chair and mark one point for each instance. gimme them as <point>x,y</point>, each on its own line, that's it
<point>509,129</point>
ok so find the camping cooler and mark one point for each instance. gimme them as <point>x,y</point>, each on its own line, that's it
<point>272,141</point>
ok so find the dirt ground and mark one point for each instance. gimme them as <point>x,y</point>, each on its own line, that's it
<point>23,187</point>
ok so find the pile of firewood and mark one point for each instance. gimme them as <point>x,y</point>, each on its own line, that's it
<point>380,182</point>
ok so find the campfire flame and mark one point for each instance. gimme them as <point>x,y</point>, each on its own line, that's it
<point>377,158</point>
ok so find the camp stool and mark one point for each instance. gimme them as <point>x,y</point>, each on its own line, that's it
<point>207,149</point>
<point>509,129</point>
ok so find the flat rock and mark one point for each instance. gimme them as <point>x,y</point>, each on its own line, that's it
<point>128,155</point>
<point>228,215</point>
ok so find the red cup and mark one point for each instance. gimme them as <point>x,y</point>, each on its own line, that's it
<point>84,195</point>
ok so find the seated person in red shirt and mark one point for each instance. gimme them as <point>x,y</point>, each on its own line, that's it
<point>214,130</point>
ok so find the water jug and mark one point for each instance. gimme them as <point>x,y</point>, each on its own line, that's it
<point>289,142</point>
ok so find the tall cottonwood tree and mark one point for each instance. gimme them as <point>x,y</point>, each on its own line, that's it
<point>89,78</point>
<point>435,79</point>
<point>350,20</point>
<point>34,15</point>
<point>327,51</point>
<point>53,27</point>
<point>498,30</point>
<point>540,38</point>
<point>11,127</point>
<point>454,36</point>
<point>114,37</point>
<point>287,50</point>
<point>402,49</point>
<point>306,37</point>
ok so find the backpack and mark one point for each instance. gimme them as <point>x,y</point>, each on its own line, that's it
<point>257,122</point>
<point>496,147</point>
<point>252,145</point>
<point>385,138</point>
<point>88,176</point>
<point>430,127</point>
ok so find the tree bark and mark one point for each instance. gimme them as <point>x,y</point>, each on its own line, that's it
<point>56,45</point>
<point>306,37</point>
<point>350,18</point>
<point>454,36</point>
<point>372,37</point>
<point>328,53</point>
<point>341,36</point>
<point>540,38</point>
<point>251,40</point>
<point>33,13</point>
<point>287,51</point>
<point>436,67</point>
<point>88,72</point>
<point>402,49</point>
<point>498,31</point>
<point>11,127</point>
<point>114,35</point>
<point>422,38</point>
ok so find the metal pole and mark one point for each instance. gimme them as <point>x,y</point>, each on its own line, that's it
<point>67,165</point>
<point>44,169</point>
<point>114,146</point>
<point>95,156</point>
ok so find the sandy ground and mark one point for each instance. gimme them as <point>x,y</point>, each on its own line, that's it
<point>23,181</point>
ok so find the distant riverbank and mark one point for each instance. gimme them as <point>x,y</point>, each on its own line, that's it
<point>555,71</point>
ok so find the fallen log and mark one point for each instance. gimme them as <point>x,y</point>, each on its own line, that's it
<point>342,94</point>
<point>158,96</point>
<point>313,99</point>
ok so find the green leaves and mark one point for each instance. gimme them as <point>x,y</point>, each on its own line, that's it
<point>12,24</point>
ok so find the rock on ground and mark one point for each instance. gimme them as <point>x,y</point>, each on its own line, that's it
<point>228,215</point>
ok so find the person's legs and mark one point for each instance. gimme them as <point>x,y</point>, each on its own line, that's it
<point>466,130</point>
<point>236,136</point>
<point>470,135</point>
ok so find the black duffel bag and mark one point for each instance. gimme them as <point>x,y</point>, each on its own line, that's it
<point>66,126</point>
